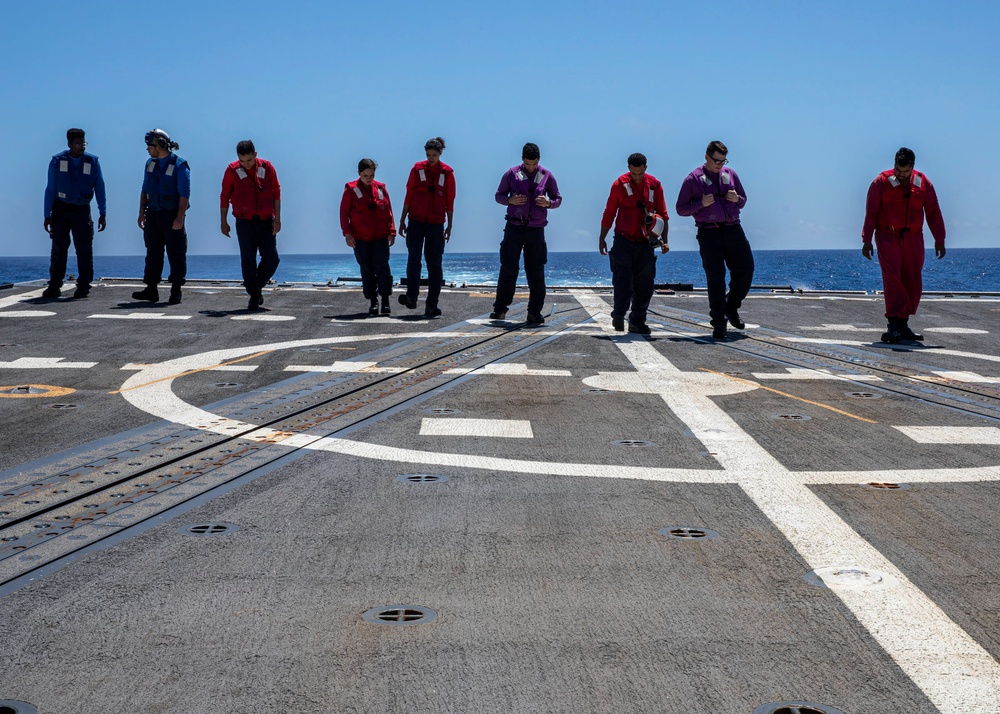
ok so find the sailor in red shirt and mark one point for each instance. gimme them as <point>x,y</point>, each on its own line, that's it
<point>898,199</point>
<point>251,185</point>
<point>369,228</point>
<point>430,200</point>
<point>637,200</point>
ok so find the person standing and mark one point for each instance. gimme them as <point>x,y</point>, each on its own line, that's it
<point>635,203</point>
<point>166,193</point>
<point>528,190</point>
<point>74,179</point>
<point>429,202</point>
<point>898,199</point>
<point>714,195</point>
<point>369,228</point>
<point>251,185</point>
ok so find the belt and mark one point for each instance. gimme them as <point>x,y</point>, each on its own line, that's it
<point>517,221</point>
<point>717,225</point>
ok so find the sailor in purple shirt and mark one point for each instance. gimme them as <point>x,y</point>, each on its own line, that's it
<point>714,195</point>
<point>529,191</point>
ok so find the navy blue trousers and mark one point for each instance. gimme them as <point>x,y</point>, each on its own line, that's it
<point>426,238</point>
<point>530,241</point>
<point>373,259</point>
<point>159,235</point>
<point>633,272</point>
<point>70,218</point>
<point>255,235</point>
<point>721,248</point>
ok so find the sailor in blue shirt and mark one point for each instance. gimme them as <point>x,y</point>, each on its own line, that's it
<point>74,178</point>
<point>166,191</point>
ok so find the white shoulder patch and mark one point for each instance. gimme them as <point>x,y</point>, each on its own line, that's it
<point>170,170</point>
<point>261,172</point>
<point>441,179</point>
<point>86,168</point>
<point>241,173</point>
<point>422,174</point>
<point>357,192</point>
<point>918,181</point>
<point>64,165</point>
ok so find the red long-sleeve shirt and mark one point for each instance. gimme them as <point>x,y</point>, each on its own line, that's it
<point>366,213</point>
<point>252,193</point>
<point>624,201</point>
<point>430,192</point>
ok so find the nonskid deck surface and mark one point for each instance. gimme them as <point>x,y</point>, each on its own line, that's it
<point>310,510</point>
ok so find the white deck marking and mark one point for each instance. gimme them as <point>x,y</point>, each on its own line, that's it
<point>801,373</point>
<point>509,369</point>
<point>15,299</point>
<point>970,377</point>
<point>952,434</point>
<point>26,313</point>
<point>956,330</point>
<point>346,367</point>
<point>953,670</point>
<point>915,347</point>
<point>263,318</point>
<point>44,363</point>
<point>140,316</point>
<point>840,328</point>
<point>488,428</point>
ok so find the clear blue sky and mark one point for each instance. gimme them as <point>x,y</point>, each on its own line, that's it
<point>812,98</point>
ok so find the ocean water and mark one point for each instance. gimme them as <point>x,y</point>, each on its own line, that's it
<point>969,269</point>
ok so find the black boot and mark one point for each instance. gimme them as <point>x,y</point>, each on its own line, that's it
<point>386,310</point>
<point>892,335</point>
<point>373,308</point>
<point>149,294</point>
<point>907,334</point>
<point>51,292</point>
<point>175,295</point>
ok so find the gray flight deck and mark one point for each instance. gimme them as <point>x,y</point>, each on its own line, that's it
<point>307,510</point>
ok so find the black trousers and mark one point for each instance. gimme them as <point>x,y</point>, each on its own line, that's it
<point>530,241</point>
<point>71,218</point>
<point>725,247</point>
<point>256,235</point>
<point>633,273</point>
<point>159,234</point>
<point>373,259</point>
<point>426,238</point>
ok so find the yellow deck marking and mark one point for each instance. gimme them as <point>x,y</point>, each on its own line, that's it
<point>791,396</point>
<point>191,371</point>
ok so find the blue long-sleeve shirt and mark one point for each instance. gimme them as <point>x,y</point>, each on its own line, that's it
<point>75,181</point>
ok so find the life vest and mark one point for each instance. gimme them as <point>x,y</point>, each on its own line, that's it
<point>367,216</point>
<point>74,186</point>
<point>902,204</point>
<point>161,185</point>
<point>253,192</point>
<point>430,200</point>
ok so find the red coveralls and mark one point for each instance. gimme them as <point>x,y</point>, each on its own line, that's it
<point>894,213</point>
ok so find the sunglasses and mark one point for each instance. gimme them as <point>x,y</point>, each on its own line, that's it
<point>721,161</point>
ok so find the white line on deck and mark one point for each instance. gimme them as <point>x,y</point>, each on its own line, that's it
<point>952,434</point>
<point>264,318</point>
<point>802,373</point>
<point>509,369</point>
<point>26,313</point>
<point>491,428</point>
<point>44,363</point>
<point>140,316</point>
<point>346,367</point>
<point>970,377</point>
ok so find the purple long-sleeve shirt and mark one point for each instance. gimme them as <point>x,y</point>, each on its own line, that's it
<point>517,180</point>
<point>700,182</point>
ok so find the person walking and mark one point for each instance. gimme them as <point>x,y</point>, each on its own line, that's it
<point>251,185</point>
<point>163,204</point>
<point>714,196</point>
<point>74,179</point>
<point>637,209</point>
<point>430,205</point>
<point>528,190</point>
<point>369,228</point>
<point>898,200</point>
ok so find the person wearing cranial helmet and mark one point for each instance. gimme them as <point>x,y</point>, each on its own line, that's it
<point>163,204</point>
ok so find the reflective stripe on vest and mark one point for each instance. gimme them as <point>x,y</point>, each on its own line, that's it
<point>422,174</point>
<point>170,169</point>
<point>441,179</point>
<point>357,192</point>
<point>520,175</point>
<point>241,173</point>
<point>628,190</point>
<point>917,180</point>
<point>381,196</point>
